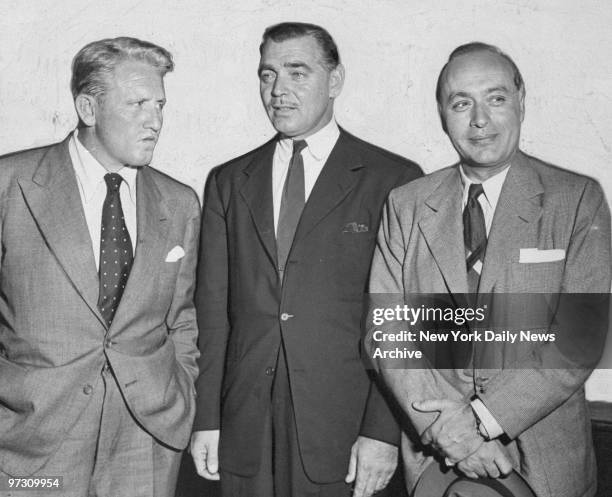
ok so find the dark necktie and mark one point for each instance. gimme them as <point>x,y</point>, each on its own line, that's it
<point>115,250</point>
<point>292,205</point>
<point>474,236</point>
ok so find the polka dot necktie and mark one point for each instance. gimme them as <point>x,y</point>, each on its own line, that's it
<point>115,250</point>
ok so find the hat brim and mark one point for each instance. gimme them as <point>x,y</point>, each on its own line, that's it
<point>437,480</point>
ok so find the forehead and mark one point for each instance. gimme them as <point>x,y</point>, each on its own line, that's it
<point>136,75</point>
<point>477,71</point>
<point>304,49</point>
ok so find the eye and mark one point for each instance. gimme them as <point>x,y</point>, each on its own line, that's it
<point>497,99</point>
<point>298,75</point>
<point>460,105</point>
<point>266,76</point>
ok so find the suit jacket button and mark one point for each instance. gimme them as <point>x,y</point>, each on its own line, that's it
<point>270,371</point>
<point>285,316</point>
<point>87,389</point>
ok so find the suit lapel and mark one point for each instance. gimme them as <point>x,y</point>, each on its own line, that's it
<point>153,213</point>
<point>257,193</point>
<point>519,205</point>
<point>53,198</point>
<point>442,228</point>
<point>336,180</point>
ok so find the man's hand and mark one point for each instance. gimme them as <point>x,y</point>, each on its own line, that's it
<point>490,460</point>
<point>371,466</point>
<point>455,432</point>
<point>204,451</point>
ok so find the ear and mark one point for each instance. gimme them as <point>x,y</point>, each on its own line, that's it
<point>86,107</point>
<point>442,120</point>
<point>336,81</point>
<point>522,103</point>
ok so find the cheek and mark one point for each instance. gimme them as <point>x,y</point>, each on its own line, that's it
<point>456,127</point>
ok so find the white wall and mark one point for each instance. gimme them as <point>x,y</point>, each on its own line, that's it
<point>392,50</point>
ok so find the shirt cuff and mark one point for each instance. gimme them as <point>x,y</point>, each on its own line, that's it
<point>487,421</point>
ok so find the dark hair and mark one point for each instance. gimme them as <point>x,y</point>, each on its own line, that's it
<point>478,46</point>
<point>289,30</point>
<point>96,60</point>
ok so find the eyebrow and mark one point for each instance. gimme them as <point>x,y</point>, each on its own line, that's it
<point>290,65</point>
<point>297,65</point>
<point>463,94</point>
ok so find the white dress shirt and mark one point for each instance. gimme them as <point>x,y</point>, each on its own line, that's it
<point>315,155</point>
<point>492,190</point>
<point>92,189</point>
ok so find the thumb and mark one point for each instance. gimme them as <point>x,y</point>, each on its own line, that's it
<point>199,460</point>
<point>352,469</point>
<point>212,459</point>
<point>432,405</point>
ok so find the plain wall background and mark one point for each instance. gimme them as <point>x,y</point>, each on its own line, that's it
<point>392,51</point>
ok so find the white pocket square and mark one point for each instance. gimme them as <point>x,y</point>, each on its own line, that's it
<point>175,254</point>
<point>534,255</point>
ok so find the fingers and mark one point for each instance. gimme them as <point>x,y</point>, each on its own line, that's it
<point>433,405</point>
<point>352,468</point>
<point>212,464</point>
<point>204,452</point>
<point>503,464</point>
<point>465,468</point>
<point>365,485</point>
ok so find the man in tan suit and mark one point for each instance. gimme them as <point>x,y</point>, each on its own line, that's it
<point>497,225</point>
<point>97,324</point>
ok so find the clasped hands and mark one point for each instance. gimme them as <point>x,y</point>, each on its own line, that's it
<point>455,436</point>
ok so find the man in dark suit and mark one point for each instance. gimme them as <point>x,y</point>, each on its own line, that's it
<point>288,233</point>
<point>511,232</point>
<point>97,325</point>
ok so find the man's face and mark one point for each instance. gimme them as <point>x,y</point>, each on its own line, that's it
<point>128,116</point>
<point>296,87</point>
<point>482,109</point>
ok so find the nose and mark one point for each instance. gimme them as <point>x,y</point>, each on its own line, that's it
<point>154,119</point>
<point>279,86</point>
<point>479,117</point>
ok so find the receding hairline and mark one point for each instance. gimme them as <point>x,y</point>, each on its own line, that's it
<point>476,48</point>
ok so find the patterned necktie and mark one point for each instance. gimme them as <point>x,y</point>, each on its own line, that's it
<point>292,205</point>
<point>474,236</point>
<point>115,250</point>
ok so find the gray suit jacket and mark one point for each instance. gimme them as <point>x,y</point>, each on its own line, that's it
<point>420,250</point>
<point>53,340</point>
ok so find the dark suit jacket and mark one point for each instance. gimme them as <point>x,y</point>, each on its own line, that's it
<point>53,340</point>
<point>534,390</point>
<point>242,309</point>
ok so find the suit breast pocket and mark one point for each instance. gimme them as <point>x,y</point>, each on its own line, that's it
<point>537,277</point>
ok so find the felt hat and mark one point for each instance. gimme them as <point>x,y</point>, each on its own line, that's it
<point>439,482</point>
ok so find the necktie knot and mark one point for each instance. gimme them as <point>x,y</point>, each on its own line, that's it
<point>298,146</point>
<point>113,181</point>
<point>475,191</point>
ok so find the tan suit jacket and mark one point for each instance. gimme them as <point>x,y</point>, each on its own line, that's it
<point>53,340</point>
<point>420,250</point>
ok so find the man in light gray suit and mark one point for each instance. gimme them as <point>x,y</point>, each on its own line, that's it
<point>97,324</point>
<point>499,222</point>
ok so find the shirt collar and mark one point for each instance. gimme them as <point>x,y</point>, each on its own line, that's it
<point>492,187</point>
<point>320,144</point>
<point>90,172</point>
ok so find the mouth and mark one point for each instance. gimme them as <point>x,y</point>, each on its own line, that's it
<point>152,140</point>
<point>482,140</point>
<point>283,109</point>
